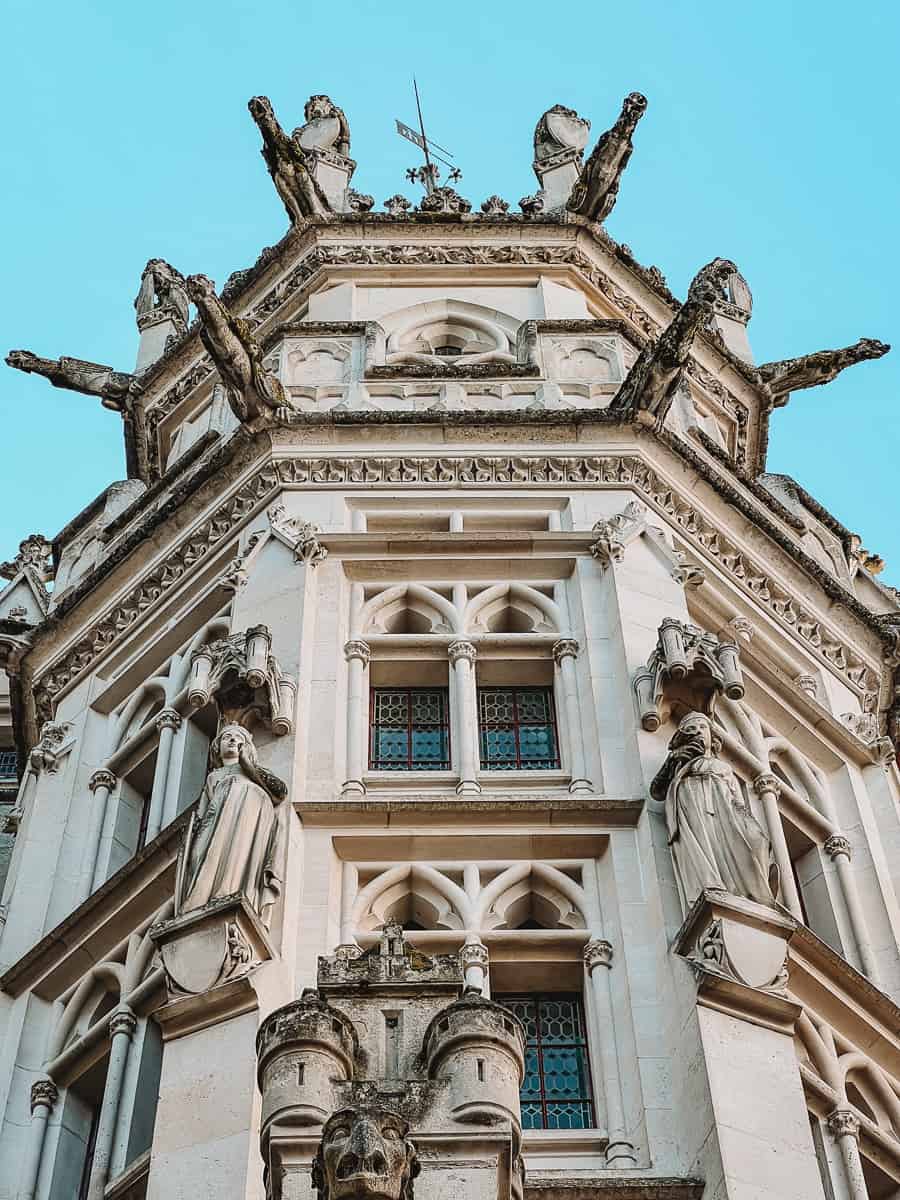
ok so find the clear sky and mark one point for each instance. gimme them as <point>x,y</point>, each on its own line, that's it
<point>770,138</point>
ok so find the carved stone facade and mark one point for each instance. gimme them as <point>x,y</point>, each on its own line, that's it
<point>450,764</point>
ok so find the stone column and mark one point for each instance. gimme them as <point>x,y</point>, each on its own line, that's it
<point>598,963</point>
<point>565,652</point>
<point>357,654</point>
<point>121,1027</point>
<point>844,1128</point>
<point>768,787</point>
<point>44,1095</point>
<point>473,958</point>
<point>101,784</point>
<point>167,722</point>
<point>462,658</point>
<point>837,847</point>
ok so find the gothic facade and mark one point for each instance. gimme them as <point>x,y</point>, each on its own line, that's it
<point>449,764</point>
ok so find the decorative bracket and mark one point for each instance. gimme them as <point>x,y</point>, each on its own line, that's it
<point>688,667</point>
<point>243,677</point>
<point>615,534</point>
<point>302,537</point>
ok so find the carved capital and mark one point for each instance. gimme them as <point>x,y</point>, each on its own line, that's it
<point>461,649</point>
<point>597,953</point>
<point>767,782</point>
<point>169,718</point>
<point>808,685</point>
<point>102,779</point>
<point>357,649</point>
<point>473,954</point>
<point>738,629</point>
<point>565,648</point>
<point>43,1092</point>
<point>835,845</point>
<point>842,1122</point>
<point>123,1021</point>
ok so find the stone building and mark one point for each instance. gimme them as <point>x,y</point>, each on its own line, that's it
<point>450,763</point>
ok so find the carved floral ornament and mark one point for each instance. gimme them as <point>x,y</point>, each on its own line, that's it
<point>465,470</point>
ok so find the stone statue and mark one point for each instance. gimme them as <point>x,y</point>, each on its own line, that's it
<point>235,841</point>
<point>365,1154</point>
<point>597,187</point>
<point>286,159</point>
<point>252,391</point>
<point>326,127</point>
<point>558,130</point>
<point>653,381</point>
<point>716,841</point>
<point>793,374</point>
<point>162,294</point>
<point>78,375</point>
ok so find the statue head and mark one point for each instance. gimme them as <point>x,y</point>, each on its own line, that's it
<point>232,743</point>
<point>365,1154</point>
<point>318,106</point>
<point>635,105</point>
<point>260,106</point>
<point>696,733</point>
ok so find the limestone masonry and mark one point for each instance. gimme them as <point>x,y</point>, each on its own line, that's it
<point>449,765</point>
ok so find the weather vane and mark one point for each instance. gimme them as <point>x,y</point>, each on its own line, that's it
<point>429,173</point>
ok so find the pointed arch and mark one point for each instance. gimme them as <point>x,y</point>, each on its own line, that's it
<point>431,608</point>
<point>534,890</point>
<point>413,888</point>
<point>110,976</point>
<point>533,609</point>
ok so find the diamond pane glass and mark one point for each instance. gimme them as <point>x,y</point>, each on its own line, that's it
<point>556,1090</point>
<point>410,730</point>
<point>517,729</point>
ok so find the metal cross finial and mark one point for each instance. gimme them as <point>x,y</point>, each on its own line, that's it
<point>429,173</point>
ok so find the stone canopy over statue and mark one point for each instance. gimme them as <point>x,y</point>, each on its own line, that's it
<point>235,842</point>
<point>716,842</point>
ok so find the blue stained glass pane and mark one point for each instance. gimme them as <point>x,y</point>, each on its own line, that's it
<point>564,1073</point>
<point>536,741</point>
<point>531,1085</point>
<point>429,745</point>
<point>498,744</point>
<point>391,744</point>
<point>532,1117</point>
<point>568,1116</point>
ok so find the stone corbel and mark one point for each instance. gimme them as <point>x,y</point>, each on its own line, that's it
<point>615,534</point>
<point>301,537</point>
<point>236,575</point>
<point>688,668</point>
<point>243,677</point>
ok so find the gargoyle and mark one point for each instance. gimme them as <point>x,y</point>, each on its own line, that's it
<point>93,379</point>
<point>597,187</point>
<point>162,294</point>
<point>654,378</point>
<point>286,159</point>
<point>792,374</point>
<point>251,390</point>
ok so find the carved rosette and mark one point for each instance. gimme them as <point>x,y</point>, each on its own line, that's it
<point>461,649</point>
<point>843,1123</point>
<point>44,1093</point>
<point>836,845</point>
<point>356,648</point>
<point>565,648</point>
<point>597,953</point>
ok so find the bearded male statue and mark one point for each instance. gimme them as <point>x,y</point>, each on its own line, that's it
<point>365,1154</point>
<point>716,841</point>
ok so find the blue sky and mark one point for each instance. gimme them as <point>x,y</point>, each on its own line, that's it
<point>770,138</point>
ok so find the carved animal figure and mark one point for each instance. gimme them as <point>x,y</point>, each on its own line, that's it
<point>365,1154</point>
<point>792,374</point>
<point>326,127</point>
<point>162,293</point>
<point>286,159</point>
<point>653,380</point>
<point>78,375</point>
<point>597,187</point>
<point>251,390</point>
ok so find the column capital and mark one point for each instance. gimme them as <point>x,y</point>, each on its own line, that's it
<point>461,649</point>
<point>597,953</point>
<point>835,845</point>
<point>168,718</point>
<point>124,1021</point>
<point>767,782</point>
<point>102,779</point>
<point>473,954</point>
<point>565,648</point>
<point>356,648</point>
<point>842,1122</point>
<point>807,683</point>
<point>43,1092</point>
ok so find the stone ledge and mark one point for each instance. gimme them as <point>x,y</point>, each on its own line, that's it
<point>601,1187</point>
<point>595,810</point>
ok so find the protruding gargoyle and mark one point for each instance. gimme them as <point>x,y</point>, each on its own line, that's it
<point>77,375</point>
<point>597,187</point>
<point>162,296</point>
<point>653,380</point>
<point>252,390</point>
<point>326,127</point>
<point>287,162</point>
<point>365,1154</point>
<point>809,370</point>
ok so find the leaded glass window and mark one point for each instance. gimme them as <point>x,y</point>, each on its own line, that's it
<point>410,730</point>
<point>7,766</point>
<point>517,729</point>
<point>556,1090</point>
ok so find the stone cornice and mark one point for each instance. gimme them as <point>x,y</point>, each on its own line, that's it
<point>636,1186</point>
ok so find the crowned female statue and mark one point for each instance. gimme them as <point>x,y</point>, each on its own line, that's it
<point>716,841</point>
<point>235,841</point>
